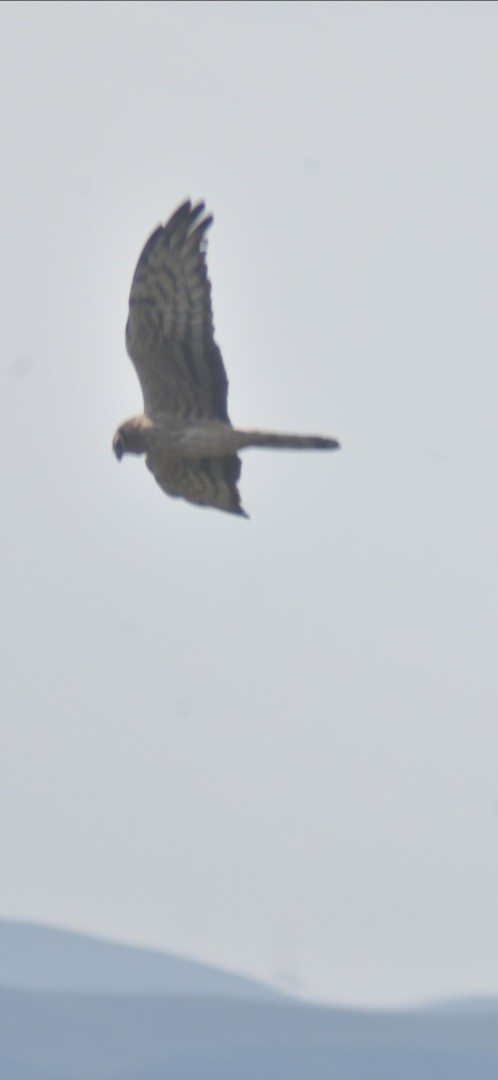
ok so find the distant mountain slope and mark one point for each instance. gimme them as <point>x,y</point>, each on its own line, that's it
<point>41,958</point>
<point>464,1006</point>
<point>77,1037</point>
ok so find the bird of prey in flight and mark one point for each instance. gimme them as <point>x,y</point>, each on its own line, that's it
<point>190,445</point>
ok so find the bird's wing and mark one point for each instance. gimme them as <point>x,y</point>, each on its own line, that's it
<point>204,481</point>
<point>169,334</point>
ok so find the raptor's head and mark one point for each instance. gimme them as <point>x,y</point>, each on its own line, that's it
<point>131,438</point>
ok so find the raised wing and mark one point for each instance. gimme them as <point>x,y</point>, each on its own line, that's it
<point>169,334</point>
<point>203,481</point>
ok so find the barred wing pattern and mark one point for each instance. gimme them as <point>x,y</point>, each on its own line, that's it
<point>203,481</point>
<point>169,335</point>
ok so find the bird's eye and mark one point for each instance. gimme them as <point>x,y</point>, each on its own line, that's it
<point>118,445</point>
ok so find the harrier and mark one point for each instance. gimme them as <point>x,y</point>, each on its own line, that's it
<point>190,445</point>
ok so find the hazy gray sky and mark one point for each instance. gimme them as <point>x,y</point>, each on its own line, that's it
<point>269,744</point>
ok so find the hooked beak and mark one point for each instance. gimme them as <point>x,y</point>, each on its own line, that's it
<point>117,446</point>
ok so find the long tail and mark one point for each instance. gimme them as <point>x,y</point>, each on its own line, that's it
<point>286,442</point>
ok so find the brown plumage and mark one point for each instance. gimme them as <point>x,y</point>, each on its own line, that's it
<point>190,445</point>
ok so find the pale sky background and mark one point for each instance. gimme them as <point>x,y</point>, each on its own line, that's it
<point>267,744</point>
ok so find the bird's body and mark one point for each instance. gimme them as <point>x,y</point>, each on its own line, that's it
<point>190,445</point>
